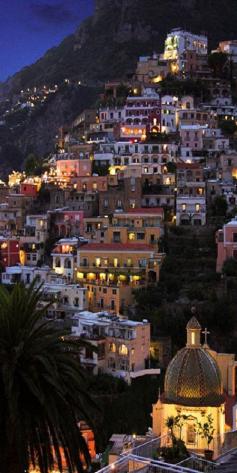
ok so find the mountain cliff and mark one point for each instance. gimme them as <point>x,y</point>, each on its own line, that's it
<point>106,46</point>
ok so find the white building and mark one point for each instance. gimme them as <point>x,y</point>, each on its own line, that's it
<point>65,257</point>
<point>66,299</point>
<point>178,42</point>
<point>25,274</point>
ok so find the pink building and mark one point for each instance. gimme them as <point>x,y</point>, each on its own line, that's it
<point>226,240</point>
<point>71,166</point>
<point>192,136</point>
<point>67,223</point>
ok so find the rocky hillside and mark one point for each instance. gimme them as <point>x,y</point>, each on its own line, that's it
<point>106,46</point>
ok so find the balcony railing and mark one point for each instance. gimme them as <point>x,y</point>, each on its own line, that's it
<point>111,267</point>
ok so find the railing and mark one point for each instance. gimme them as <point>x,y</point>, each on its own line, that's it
<point>132,463</point>
<point>198,463</point>
<point>150,448</point>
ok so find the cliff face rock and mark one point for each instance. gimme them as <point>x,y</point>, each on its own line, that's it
<point>107,46</point>
<point>39,134</point>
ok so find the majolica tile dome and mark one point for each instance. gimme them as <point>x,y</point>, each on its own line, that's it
<point>193,377</point>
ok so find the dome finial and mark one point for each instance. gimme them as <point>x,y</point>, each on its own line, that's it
<point>193,331</point>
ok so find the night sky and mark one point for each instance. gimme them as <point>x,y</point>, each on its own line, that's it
<point>29,27</point>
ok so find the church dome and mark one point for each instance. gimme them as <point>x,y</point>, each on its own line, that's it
<point>193,377</point>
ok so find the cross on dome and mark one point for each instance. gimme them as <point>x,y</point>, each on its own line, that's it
<point>205,333</point>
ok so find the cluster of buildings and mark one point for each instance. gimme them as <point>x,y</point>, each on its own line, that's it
<point>198,407</point>
<point>185,55</point>
<point>91,227</point>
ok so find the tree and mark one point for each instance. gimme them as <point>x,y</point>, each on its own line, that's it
<point>33,165</point>
<point>230,267</point>
<point>219,206</point>
<point>206,429</point>
<point>228,127</point>
<point>42,389</point>
<point>217,62</point>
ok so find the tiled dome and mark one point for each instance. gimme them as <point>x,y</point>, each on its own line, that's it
<point>193,379</point>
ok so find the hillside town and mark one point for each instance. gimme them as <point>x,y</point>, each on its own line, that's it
<point>153,161</point>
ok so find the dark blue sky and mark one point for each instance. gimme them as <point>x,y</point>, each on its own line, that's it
<point>29,27</point>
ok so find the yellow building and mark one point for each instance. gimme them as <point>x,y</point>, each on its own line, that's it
<point>195,383</point>
<point>111,271</point>
<point>140,226</point>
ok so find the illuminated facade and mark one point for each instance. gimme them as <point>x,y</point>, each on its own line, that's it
<point>191,195</point>
<point>72,166</point>
<point>143,226</point>
<point>142,114</point>
<point>178,43</point>
<point>9,251</point>
<point>195,382</point>
<point>65,257</point>
<point>123,346</point>
<point>151,69</point>
<point>111,271</point>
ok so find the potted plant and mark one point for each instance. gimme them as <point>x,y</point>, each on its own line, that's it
<point>206,430</point>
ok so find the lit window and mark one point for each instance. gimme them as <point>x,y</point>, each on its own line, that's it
<point>197,207</point>
<point>183,207</point>
<point>192,338</point>
<point>97,262</point>
<point>131,236</point>
<point>112,347</point>
<point>115,262</point>
<point>123,350</point>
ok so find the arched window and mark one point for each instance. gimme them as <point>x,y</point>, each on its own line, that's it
<point>57,262</point>
<point>191,434</point>
<point>112,347</point>
<point>67,264</point>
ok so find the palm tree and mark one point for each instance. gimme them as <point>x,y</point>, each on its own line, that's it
<point>42,389</point>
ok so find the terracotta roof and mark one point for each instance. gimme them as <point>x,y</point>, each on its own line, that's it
<point>117,247</point>
<point>188,166</point>
<point>150,210</point>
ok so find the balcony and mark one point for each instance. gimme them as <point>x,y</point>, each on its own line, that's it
<point>114,284</point>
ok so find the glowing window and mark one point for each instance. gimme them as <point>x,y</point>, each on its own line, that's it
<point>112,347</point>
<point>123,350</point>
<point>193,338</point>
<point>97,262</point>
<point>131,236</point>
